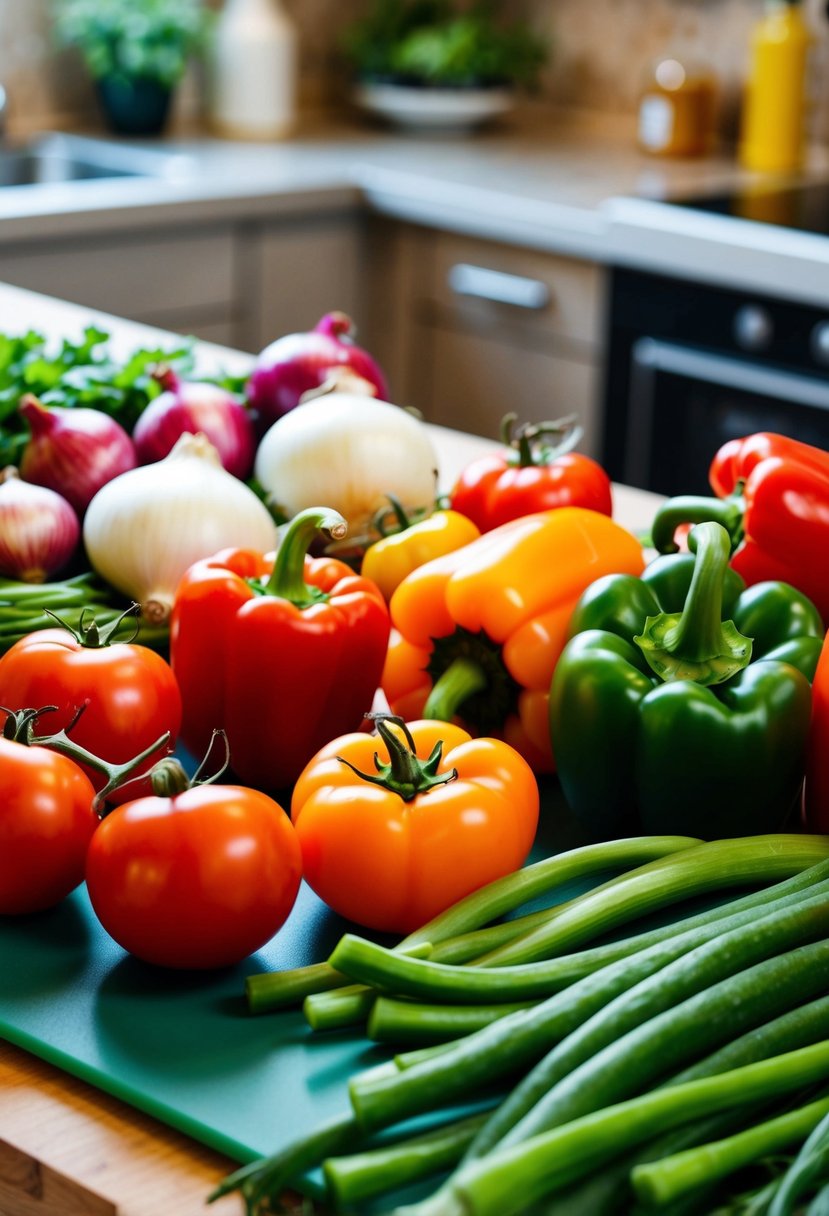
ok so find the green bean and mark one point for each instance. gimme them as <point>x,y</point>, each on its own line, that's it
<point>479,908</point>
<point>392,1021</point>
<point>676,1010</point>
<point>808,1167</point>
<point>512,1178</point>
<point>521,1038</point>
<point>360,1176</point>
<point>661,1182</point>
<point>712,866</point>
<point>609,1193</point>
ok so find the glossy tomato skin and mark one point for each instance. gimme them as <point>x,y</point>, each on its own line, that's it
<point>129,693</point>
<point>46,824</point>
<point>393,865</point>
<point>199,880</point>
<point>493,490</point>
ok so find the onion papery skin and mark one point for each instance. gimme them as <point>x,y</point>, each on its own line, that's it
<point>351,451</point>
<point>39,530</point>
<point>146,527</point>
<point>73,451</point>
<point>194,407</point>
<point>299,363</point>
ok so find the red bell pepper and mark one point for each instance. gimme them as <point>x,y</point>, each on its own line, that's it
<point>282,654</point>
<point>816,802</point>
<point>773,498</point>
<point>531,474</point>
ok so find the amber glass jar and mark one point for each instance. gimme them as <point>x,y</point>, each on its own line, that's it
<point>677,105</point>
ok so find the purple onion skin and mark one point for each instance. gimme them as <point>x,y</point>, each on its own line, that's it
<point>297,363</point>
<point>193,407</point>
<point>39,530</point>
<point>73,451</point>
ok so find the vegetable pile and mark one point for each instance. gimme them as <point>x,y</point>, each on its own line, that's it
<point>263,568</point>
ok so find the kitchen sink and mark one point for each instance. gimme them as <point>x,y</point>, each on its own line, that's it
<point>56,159</point>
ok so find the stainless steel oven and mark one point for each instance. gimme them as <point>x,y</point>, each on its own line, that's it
<point>692,365</point>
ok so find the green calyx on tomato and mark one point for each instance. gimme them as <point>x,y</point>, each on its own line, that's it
<point>19,727</point>
<point>287,579</point>
<point>405,774</point>
<point>169,777</point>
<point>527,446</point>
<point>89,633</point>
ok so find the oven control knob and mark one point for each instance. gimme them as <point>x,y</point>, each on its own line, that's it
<point>819,343</point>
<point>753,327</point>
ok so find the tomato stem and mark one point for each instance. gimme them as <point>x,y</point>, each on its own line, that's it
<point>527,446</point>
<point>91,635</point>
<point>405,774</point>
<point>22,730</point>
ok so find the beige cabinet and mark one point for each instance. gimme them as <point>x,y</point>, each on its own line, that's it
<point>239,284</point>
<point>471,330</point>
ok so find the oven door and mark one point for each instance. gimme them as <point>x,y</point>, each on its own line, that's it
<point>684,402</point>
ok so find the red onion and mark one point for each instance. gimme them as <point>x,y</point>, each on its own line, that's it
<point>39,531</point>
<point>297,363</point>
<point>73,451</point>
<point>192,408</point>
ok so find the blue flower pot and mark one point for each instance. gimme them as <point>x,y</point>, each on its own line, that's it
<point>134,107</point>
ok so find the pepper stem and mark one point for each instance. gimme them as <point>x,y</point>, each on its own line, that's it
<point>697,509</point>
<point>287,578</point>
<point>696,644</point>
<point>405,774</point>
<point>461,679</point>
<point>20,727</point>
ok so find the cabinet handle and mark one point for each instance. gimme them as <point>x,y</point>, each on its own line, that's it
<point>500,288</point>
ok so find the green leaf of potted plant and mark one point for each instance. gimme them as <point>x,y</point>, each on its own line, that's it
<point>434,62</point>
<point>136,52</point>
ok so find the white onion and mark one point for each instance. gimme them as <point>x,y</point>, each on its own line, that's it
<point>145,528</point>
<point>349,450</point>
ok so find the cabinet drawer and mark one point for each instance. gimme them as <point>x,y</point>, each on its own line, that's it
<point>131,277</point>
<point>469,382</point>
<point>498,287</point>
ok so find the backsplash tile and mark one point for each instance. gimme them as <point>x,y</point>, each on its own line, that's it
<point>600,54</point>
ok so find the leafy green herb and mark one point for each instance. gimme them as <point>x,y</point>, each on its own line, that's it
<point>429,42</point>
<point>82,374</point>
<point>133,39</point>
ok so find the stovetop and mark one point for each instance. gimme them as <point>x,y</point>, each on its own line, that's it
<point>804,208</point>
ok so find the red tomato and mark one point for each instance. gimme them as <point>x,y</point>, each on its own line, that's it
<point>200,879</point>
<point>130,695</point>
<point>46,823</point>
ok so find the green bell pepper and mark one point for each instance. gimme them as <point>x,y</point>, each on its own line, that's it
<point>666,718</point>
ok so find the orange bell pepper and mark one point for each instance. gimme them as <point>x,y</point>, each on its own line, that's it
<point>395,829</point>
<point>477,633</point>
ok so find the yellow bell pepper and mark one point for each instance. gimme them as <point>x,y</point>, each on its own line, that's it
<point>478,632</point>
<point>389,560</point>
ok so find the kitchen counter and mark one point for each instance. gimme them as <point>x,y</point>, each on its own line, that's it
<point>67,1149</point>
<point>550,182</point>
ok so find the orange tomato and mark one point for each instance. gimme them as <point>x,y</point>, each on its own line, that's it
<point>392,860</point>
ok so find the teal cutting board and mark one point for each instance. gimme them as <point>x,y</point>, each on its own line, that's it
<point>181,1045</point>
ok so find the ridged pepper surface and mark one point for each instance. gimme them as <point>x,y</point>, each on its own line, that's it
<point>477,632</point>
<point>667,718</point>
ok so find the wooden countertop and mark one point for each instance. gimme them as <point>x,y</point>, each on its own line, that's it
<point>67,1149</point>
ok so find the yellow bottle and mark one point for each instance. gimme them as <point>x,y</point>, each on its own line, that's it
<point>773,136</point>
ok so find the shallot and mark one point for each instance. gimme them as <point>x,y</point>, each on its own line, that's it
<point>73,451</point>
<point>195,407</point>
<point>39,530</point>
<point>298,363</point>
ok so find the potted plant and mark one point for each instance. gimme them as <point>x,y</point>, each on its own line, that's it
<point>136,52</point>
<point>429,61</point>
